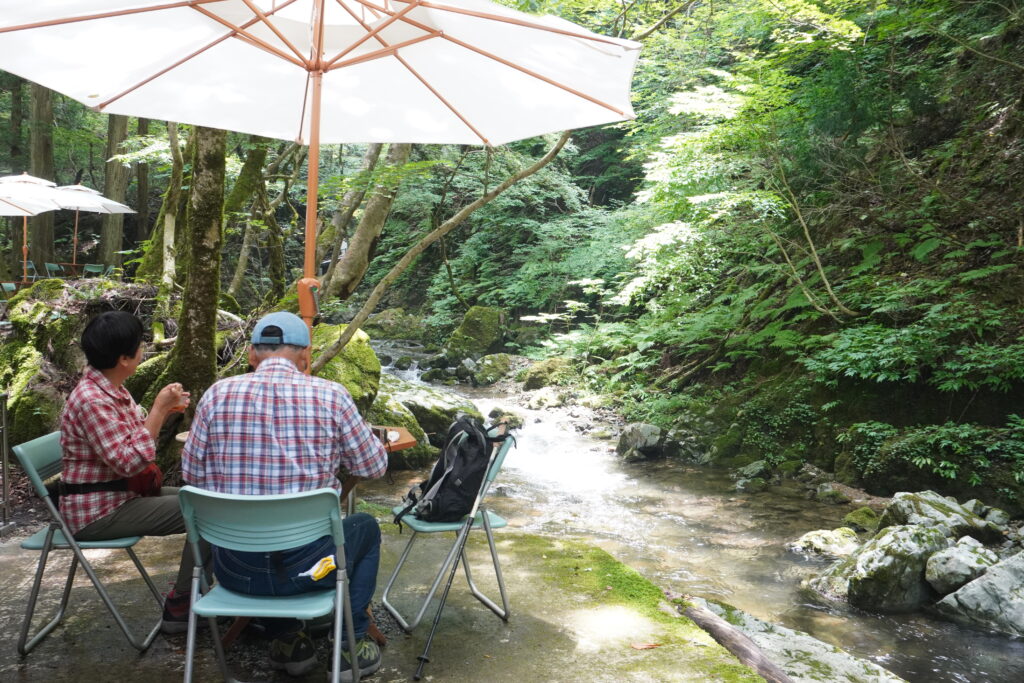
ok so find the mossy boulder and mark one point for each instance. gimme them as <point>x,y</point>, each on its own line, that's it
<point>434,410</point>
<point>887,574</point>
<point>928,508</point>
<point>481,332</point>
<point>949,569</point>
<point>545,373</point>
<point>993,601</point>
<point>491,368</point>
<point>512,419</point>
<point>395,323</point>
<point>35,411</point>
<point>356,367</point>
<point>38,318</point>
<point>862,519</point>
<point>140,384</point>
<point>388,411</point>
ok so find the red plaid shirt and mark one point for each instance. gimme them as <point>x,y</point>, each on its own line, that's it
<point>104,438</point>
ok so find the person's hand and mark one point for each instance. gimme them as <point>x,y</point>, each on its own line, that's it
<point>172,399</point>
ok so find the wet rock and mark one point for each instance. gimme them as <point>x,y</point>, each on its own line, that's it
<point>545,373</point>
<point>434,375</point>
<point>394,323</point>
<point>931,509</point>
<point>465,369</point>
<point>801,656</point>
<point>603,433</point>
<point>976,506</point>
<point>810,474</point>
<point>547,397</point>
<point>887,573</point>
<point>994,601</point>
<point>839,542</point>
<point>492,368</point>
<point>434,410</point>
<point>498,414</point>
<point>755,469</point>
<point>862,519</point>
<point>949,569</point>
<point>385,358</point>
<point>641,437</point>
<point>752,485</point>
<point>997,517</point>
<point>403,363</point>
<point>828,493</point>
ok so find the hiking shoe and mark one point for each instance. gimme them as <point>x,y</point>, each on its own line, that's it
<point>294,653</point>
<point>369,660</point>
<point>176,606</point>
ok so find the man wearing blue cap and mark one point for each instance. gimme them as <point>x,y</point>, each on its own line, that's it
<point>278,430</point>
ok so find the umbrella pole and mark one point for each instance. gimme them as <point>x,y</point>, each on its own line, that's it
<point>309,286</point>
<point>74,243</point>
<point>24,249</point>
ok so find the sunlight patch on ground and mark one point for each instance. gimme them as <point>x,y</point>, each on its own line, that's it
<point>603,626</point>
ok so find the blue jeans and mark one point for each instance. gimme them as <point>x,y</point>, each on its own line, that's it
<point>277,573</point>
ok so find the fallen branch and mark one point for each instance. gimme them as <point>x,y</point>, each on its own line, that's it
<point>738,643</point>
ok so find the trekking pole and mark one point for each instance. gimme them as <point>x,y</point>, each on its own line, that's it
<point>460,542</point>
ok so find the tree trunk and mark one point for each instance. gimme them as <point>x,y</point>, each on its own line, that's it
<point>142,191</point>
<point>194,357</point>
<point>349,203</point>
<point>352,266</point>
<point>15,141</point>
<point>115,186</point>
<point>248,237</point>
<point>455,221</point>
<point>172,203</point>
<point>249,177</point>
<point>275,249</point>
<point>738,643</point>
<point>40,233</point>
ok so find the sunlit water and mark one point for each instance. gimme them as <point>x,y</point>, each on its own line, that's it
<point>686,529</point>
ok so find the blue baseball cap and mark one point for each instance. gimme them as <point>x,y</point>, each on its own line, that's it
<point>281,328</point>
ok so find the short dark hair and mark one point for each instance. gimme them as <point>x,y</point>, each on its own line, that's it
<point>109,336</point>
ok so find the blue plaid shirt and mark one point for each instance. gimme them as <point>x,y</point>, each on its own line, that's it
<point>278,431</point>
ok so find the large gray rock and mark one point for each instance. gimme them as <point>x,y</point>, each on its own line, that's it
<point>994,601</point>
<point>801,656</point>
<point>887,573</point>
<point>643,438</point>
<point>930,509</point>
<point>839,542</point>
<point>434,409</point>
<point>949,569</point>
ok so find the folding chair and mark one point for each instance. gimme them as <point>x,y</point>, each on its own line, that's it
<point>30,268</point>
<point>485,519</point>
<point>41,460</point>
<point>8,289</point>
<point>265,524</point>
<point>112,271</point>
<point>92,270</point>
<point>54,270</point>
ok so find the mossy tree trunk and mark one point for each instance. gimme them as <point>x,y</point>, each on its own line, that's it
<point>352,266</point>
<point>193,359</point>
<point>247,184</point>
<point>40,242</point>
<point>155,261</point>
<point>349,203</point>
<point>115,186</point>
<point>142,190</point>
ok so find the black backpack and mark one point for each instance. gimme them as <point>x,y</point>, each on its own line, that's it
<point>457,477</point>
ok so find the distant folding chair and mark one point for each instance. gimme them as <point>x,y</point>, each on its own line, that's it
<point>8,289</point>
<point>41,460</point>
<point>92,270</point>
<point>265,524</point>
<point>30,268</point>
<point>484,519</point>
<point>112,272</point>
<point>54,270</point>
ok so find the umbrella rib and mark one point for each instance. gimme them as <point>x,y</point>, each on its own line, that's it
<point>377,54</point>
<point>443,100</point>
<point>520,22</point>
<point>181,61</point>
<point>250,38</point>
<point>106,15</point>
<point>362,23</point>
<point>373,32</point>
<point>266,20</point>
<point>511,65</point>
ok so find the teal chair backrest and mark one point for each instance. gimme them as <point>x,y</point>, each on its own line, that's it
<point>261,523</point>
<point>31,268</point>
<point>53,269</point>
<point>92,268</point>
<point>8,288</point>
<point>499,458</point>
<point>41,459</point>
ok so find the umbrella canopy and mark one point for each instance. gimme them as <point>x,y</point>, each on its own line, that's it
<point>423,71</point>
<point>82,198</point>
<point>437,71</point>
<point>24,195</point>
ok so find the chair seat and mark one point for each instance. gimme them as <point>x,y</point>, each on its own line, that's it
<point>419,525</point>
<point>222,602</point>
<point>36,541</point>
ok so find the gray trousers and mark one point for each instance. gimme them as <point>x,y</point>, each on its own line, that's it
<point>148,516</point>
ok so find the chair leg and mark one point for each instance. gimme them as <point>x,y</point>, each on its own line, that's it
<point>409,626</point>
<point>24,644</point>
<point>140,645</point>
<point>145,575</point>
<point>502,611</point>
<point>342,602</point>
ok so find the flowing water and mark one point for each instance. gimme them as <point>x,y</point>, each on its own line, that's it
<point>686,530</point>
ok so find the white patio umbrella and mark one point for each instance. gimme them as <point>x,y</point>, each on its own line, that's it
<point>24,195</point>
<point>425,71</point>
<point>82,198</point>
